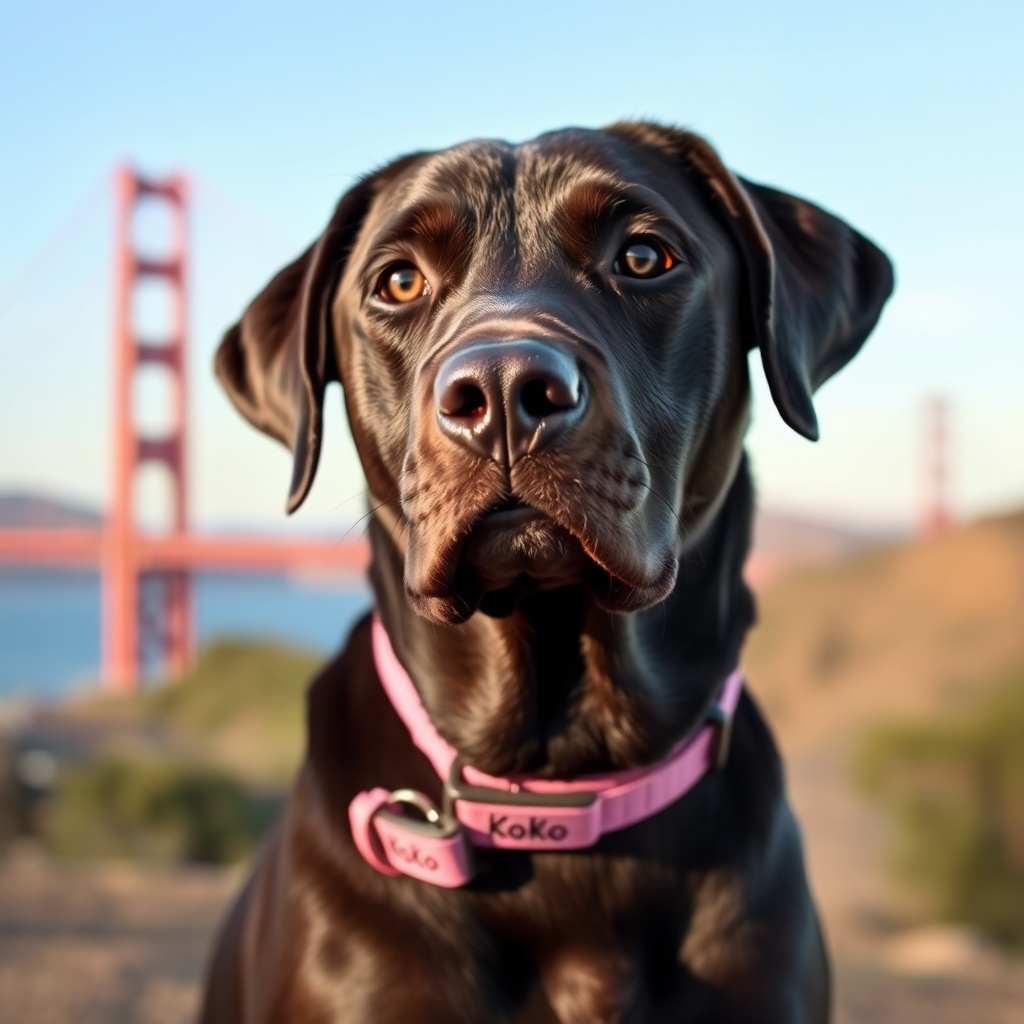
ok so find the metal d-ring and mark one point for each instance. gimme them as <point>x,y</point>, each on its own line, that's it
<point>422,803</point>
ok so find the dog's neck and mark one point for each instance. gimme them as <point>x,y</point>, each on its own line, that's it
<point>561,687</point>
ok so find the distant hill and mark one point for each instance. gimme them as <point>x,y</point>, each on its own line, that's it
<point>912,631</point>
<point>794,538</point>
<point>25,510</point>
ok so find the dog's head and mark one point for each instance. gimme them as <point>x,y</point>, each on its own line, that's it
<point>543,350</point>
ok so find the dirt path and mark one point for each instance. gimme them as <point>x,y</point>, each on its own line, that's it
<point>116,945</point>
<point>122,945</point>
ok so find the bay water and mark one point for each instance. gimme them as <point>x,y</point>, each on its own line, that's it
<point>50,621</point>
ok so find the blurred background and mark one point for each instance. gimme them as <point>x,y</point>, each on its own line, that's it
<point>159,621</point>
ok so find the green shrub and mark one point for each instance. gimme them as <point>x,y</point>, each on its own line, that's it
<point>242,706</point>
<point>153,809</point>
<point>231,733</point>
<point>955,790</point>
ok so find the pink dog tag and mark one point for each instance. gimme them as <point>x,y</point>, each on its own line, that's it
<point>432,853</point>
<point>433,849</point>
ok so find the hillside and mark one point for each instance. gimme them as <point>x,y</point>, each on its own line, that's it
<point>894,631</point>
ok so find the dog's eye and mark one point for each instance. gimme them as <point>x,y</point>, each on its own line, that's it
<point>643,257</point>
<point>402,282</point>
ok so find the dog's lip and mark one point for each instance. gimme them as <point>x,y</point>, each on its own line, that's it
<point>509,513</point>
<point>618,582</point>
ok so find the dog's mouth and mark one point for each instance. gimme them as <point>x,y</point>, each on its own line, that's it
<point>512,548</point>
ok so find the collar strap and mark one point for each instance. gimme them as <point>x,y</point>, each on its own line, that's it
<point>516,812</point>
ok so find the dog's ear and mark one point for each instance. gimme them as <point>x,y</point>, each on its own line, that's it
<point>277,361</point>
<point>815,286</point>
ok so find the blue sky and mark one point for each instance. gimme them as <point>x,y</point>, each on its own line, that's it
<point>905,118</point>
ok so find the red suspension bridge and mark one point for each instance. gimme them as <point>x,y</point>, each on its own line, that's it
<point>125,554</point>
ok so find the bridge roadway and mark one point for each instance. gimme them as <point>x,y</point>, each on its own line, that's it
<point>85,548</point>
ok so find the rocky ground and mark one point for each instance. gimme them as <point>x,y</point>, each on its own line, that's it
<point>108,945</point>
<point>888,968</point>
<point>122,944</point>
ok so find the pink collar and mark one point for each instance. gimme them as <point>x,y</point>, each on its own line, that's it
<point>518,812</point>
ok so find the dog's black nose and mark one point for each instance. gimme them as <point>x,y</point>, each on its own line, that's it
<point>507,399</point>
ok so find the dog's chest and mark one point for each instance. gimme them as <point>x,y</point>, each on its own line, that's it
<point>620,941</point>
<point>588,985</point>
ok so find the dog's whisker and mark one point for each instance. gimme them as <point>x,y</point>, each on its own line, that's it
<point>344,501</point>
<point>664,500</point>
<point>367,514</point>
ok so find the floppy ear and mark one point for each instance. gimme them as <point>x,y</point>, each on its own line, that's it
<point>276,362</point>
<point>815,286</point>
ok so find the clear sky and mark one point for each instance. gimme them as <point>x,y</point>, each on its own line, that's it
<point>906,118</point>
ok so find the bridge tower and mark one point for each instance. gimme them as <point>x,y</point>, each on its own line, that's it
<point>127,631</point>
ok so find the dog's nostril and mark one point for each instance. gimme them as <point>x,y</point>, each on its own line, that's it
<point>464,401</point>
<point>506,399</point>
<point>540,398</point>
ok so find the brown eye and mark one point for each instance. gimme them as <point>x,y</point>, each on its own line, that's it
<point>402,282</point>
<point>643,257</point>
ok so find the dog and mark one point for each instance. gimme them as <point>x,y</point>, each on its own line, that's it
<point>543,351</point>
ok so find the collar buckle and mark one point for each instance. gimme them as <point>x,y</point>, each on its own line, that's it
<point>456,788</point>
<point>523,819</point>
<point>721,722</point>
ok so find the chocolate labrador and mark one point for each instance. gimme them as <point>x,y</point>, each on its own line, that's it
<point>526,795</point>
